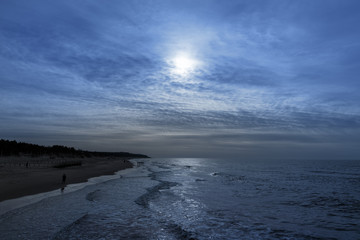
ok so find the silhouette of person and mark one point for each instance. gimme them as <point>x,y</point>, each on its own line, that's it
<point>64,178</point>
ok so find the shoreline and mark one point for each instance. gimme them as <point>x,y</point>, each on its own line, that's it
<point>17,180</point>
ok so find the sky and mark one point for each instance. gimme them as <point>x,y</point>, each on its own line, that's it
<point>200,78</point>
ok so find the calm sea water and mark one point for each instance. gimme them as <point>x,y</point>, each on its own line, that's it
<point>202,199</point>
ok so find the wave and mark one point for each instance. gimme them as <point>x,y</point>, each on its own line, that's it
<point>92,195</point>
<point>64,232</point>
<point>153,193</point>
<point>229,178</point>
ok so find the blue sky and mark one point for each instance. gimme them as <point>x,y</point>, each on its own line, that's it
<point>251,79</point>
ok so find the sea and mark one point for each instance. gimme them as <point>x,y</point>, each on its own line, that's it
<point>196,198</point>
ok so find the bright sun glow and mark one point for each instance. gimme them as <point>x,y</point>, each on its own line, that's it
<point>183,64</point>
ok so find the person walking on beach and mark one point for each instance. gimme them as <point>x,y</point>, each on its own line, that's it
<point>64,178</point>
<point>63,182</point>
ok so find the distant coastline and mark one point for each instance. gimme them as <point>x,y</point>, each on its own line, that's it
<point>14,148</point>
<point>27,169</point>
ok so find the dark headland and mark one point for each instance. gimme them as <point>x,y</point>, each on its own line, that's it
<point>27,169</point>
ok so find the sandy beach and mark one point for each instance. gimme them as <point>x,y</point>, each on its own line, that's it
<point>21,176</point>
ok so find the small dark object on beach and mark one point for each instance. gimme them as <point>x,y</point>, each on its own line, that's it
<point>64,178</point>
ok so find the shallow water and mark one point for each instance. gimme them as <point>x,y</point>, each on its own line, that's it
<point>202,199</point>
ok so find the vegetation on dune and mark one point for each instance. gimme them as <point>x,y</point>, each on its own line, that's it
<point>14,148</point>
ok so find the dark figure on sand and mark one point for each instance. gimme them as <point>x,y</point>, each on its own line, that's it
<point>64,178</point>
<point>63,182</point>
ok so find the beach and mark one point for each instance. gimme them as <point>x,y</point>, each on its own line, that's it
<point>22,176</point>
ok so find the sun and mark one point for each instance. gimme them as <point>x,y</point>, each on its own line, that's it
<point>183,64</point>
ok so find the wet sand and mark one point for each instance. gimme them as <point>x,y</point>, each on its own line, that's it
<point>17,180</point>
